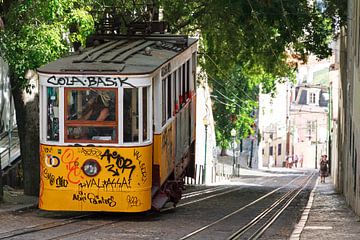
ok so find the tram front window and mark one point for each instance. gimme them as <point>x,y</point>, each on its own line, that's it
<point>91,114</point>
<point>52,114</point>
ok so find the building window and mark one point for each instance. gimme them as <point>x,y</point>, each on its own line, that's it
<point>271,150</point>
<point>279,149</point>
<point>312,98</point>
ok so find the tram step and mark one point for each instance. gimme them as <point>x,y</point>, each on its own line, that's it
<point>159,200</point>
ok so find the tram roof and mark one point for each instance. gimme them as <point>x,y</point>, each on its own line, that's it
<point>121,55</point>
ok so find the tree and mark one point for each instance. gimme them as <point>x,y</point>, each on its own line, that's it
<point>34,35</point>
<point>36,32</point>
<point>247,43</point>
<point>243,45</point>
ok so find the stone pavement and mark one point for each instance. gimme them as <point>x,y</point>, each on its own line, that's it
<point>15,200</point>
<point>327,216</point>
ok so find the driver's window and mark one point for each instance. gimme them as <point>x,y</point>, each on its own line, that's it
<point>90,115</point>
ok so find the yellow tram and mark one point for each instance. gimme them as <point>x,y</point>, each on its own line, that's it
<point>117,128</point>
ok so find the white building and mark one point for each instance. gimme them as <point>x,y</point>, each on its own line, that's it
<point>272,125</point>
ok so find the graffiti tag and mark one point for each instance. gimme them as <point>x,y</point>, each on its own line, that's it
<point>72,165</point>
<point>61,182</point>
<point>90,81</point>
<point>94,199</point>
<point>121,163</point>
<point>142,165</point>
<point>133,201</point>
<point>106,184</point>
<point>49,176</point>
<point>91,152</point>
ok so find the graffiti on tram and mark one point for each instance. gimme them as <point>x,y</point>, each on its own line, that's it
<point>61,168</point>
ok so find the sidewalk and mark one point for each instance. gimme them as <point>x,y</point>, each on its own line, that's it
<point>327,216</point>
<point>15,200</point>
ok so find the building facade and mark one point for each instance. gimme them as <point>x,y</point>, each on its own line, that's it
<point>272,126</point>
<point>308,125</point>
<point>346,167</point>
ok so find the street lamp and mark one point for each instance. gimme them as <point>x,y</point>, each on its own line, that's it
<point>233,135</point>
<point>206,124</point>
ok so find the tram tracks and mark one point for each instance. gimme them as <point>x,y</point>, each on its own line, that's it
<point>42,227</point>
<point>74,227</point>
<point>272,213</point>
<point>78,220</point>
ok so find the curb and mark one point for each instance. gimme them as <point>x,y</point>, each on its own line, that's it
<point>299,227</point>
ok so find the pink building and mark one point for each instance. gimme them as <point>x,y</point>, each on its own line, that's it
<point>308,123</point>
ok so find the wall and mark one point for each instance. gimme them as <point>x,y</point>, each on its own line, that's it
<point>349,112</point>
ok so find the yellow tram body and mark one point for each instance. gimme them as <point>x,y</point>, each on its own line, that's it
<point>125,187</point>
<point>131,153</point>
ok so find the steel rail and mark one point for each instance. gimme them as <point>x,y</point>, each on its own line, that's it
<point>270,221</point>
<point>288,197</point>
<point>237,211</point>
<point>42,227</point>
<point>204,191</point>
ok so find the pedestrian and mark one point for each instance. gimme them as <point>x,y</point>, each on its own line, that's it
<point>323,168</point>
<point>301,160</point>
<point>271,161</point>
<point>296,159</point>
<point>287,161</point>
<point>290,161</point>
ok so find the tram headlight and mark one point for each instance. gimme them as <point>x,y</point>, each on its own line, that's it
<point>91,168</point>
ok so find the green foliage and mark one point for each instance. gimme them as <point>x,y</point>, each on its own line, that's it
<point>245,43</point>
<point>248,43</point>
<point>38,32</point>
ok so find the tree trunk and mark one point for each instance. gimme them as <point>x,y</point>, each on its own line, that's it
<point>27,117</point>
<point>223,152</point>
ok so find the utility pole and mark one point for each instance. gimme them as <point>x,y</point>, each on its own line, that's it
<point>1,185</point>
<point>316,142</point>
<point>329,125</point>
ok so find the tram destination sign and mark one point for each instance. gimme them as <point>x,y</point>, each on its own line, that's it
<point>88,81</point>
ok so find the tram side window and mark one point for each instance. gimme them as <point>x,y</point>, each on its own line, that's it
<point>187,79</point>
<point>179,87</point>
<point>183,90</point>
<point>52,114</point>
<point>90,114</point>
<point>131,115</point>
<point>163,101</point>
<point>145,113</point>
<point>176,107</point>
<point>169,98</point>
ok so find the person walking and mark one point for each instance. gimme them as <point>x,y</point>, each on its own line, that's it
<point>296,159</point>
<point>323,168</point>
